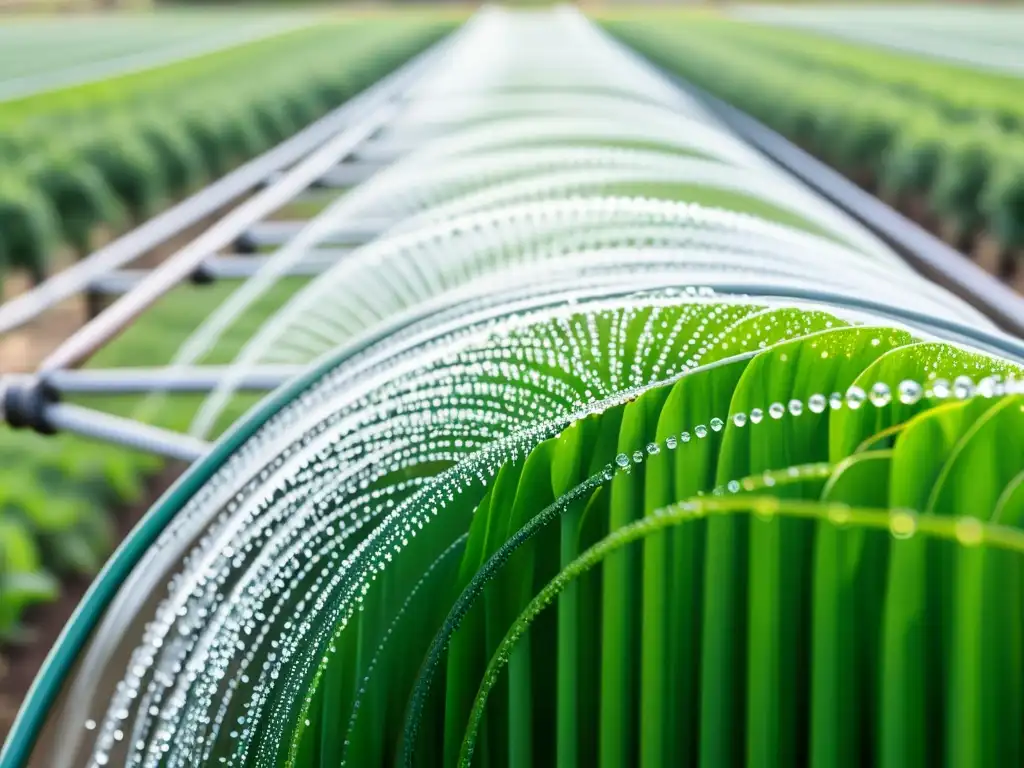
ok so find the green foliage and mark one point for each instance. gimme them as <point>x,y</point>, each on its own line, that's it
<point>1003,200</point>
<point>57,494</point>
<point>906,125</point>
<point>722,569</point>
<point>912,162</point>
<point>966,160</point>
<point>158,134</point>
<point>28,226</point>
<point>79,194</point>
<point>129,169</point>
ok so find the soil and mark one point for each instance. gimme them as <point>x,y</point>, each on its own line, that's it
<point>24,349</point>
<point>20,663</point>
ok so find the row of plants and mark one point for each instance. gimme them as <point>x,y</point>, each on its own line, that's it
<point>85,162</point>
<point>959,167</point>
<point>959,92</point>
<point>59,495</point>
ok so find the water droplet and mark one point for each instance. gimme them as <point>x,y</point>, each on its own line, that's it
<point>969,531</point>
<point>855,397</point>
<point>90,725</point>
<point>685,437</point>
<point>940,389</point>
<point>638,457</point>
<point>776,410</point>
<point>765,509</point>
<point>903,525</point>
<point>963,387</point>
<point>881,395</point>
<point>653,449</point>
<point>716,424</point>
<point>835,401</point>
<point>987,387</point>
<point>670,442</point>
<point>839,515</point>
<point>756,415</point>
<point>817,403</point>
<point>622,460</point>
<point>739,419</point>
<point>796,407</point>
<point>700,430</point>
<point>733,486</point>
<point>910,392</point>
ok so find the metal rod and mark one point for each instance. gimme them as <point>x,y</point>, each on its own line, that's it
<point>94,334</point>
<point>267,233</point>
<point>117,381</point>
<point>67,417</point>
<point>225,268</point>
<point>207,201</point>
<point>346,174</point>
<point>349,174</point>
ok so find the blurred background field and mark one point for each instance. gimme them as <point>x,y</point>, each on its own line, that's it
<point>112,111</point>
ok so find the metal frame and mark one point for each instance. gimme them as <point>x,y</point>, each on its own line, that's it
<point>322,156</point>
<point>339,151</point>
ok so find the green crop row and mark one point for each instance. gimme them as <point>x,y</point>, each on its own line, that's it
<point>106,154</point>
<point>683,578</point>
<point>969,169</point>
<point>961,94</point>
<point>57,494</point>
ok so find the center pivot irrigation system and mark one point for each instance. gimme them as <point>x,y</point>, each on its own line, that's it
<point>563,332</point>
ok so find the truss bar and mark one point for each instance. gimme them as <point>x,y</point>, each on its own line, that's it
<point>119,381</point>
<point>350,174</point>
<point>67,417</point>
<point>80,345</point>
<point>224,268</point>
<point>346,174</point>
<point>210,200</point>
<point>241,267</point>
<point>386,150</point>
<point>280,232</point>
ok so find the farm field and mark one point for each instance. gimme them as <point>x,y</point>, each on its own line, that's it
<point>941,141</point>
<point>614,443</point>
<point>982,37</point>
<point>64,500</point>
<point>42,53</point>
<point>90,160</point>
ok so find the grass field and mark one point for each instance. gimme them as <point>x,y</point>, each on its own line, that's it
<point>44,53</point>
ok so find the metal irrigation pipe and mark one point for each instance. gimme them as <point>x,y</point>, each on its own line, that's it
<point>90,337</point>
<point>88,422</point>
<point>116,381</point>
<point>207,201</point>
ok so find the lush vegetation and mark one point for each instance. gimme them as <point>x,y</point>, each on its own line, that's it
<point>59,494</point>
<point>135,143</point>
<point>806,551</point>
<point>650,490</point>
<point>101,156</point>
<point>942,138</point>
